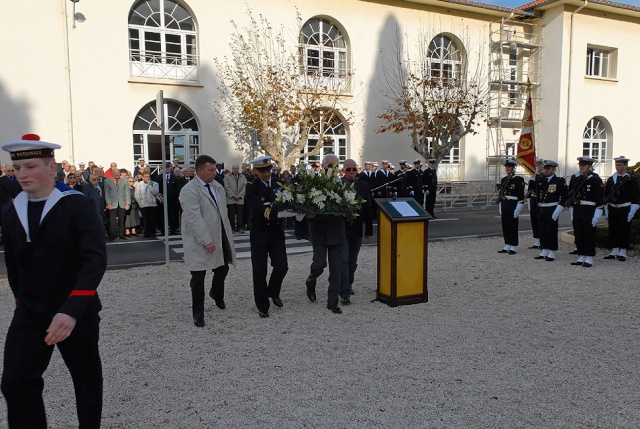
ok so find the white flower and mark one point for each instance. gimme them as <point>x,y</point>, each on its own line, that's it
<point>300,198</point>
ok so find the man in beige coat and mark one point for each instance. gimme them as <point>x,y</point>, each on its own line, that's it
<point>206,235</point>
<point>235,185</point>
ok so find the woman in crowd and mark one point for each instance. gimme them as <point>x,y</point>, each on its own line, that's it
<point>146,192</point>
<point>132,221</point>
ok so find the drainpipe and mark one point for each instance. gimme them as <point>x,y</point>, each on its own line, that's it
<point>566,145</point>
<point>67,67</point>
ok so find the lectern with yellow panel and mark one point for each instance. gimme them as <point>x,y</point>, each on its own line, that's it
<point>403,231</point>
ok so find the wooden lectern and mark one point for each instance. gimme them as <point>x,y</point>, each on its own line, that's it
<point>403,231</point>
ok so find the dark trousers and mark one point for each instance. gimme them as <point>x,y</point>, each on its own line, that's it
<point>533,214</point>
<point>116,226</point>
<point>509,223</point>
<point>172,210</point>
<point>26,357</point>
<point>350,251</point>
<point>302,229</point>
<point>619,228</point>
<point>430,202</point>
<point>277,252</point>
<point>547,228</point>
<point>236,215</point>
<point>418,195</point>
<point>197,288</point>
<point>320,252</point>
<point>149,218</point>
<point>584,232</point>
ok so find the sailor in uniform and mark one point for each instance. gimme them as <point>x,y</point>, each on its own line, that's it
<point>510,204</point>
<point>552,192</point>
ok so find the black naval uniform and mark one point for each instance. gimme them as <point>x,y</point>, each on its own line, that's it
<point>620,192</point>
<point>402,183</point>
<point>589,197</point>
<point>431,183</point>
<point>54,266</point>
<point>267,241</point>
<point>416,184</point>
<point>511,193</point>
<point>532,192</point>
<point>383,177</point>
<point>552,192</point>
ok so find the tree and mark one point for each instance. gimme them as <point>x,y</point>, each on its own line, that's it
<point>265,89</point>
<point>434,98</point>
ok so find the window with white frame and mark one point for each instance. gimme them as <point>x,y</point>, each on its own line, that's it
<point>594,140</point>
<point>601,61</point>
<point>328,126</point>
<point>323,49</point>
<point>162,41</point>
<point>182,137</point>
<point>445,59</point>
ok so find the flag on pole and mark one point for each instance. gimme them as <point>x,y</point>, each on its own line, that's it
<point>526,154</point>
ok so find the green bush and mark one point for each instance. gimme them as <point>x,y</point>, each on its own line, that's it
<point>602,234</point>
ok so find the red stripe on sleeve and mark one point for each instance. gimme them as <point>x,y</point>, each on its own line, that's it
<point>82,293</point>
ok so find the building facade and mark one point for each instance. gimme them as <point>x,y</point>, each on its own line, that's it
<point>86,75</point>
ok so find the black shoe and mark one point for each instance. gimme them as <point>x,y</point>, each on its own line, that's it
<point>352,292</point>
<point>610,257</point>
<point>540,257</point>
<point>503,251</point>
<point>311,294</point>
<point>577,263</point>
<point>622,258</point>
<point>277,301</point>
<point>199,322</point>
<point>122,237</point>
<point>534,247</point>
<point>264,314</point>
<point>587,265</point>
<point>573,252</point>
<point>220,304</point>
<point>345,301</point>
<point>548,259</point>
<point>334,309</point>
<point>512,252</point>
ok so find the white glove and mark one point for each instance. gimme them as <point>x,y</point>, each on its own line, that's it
<point>556,212</point>
<point>426,193</point>
<point>300,216</point>
<point>529,204</point>
<point>606,211</point>
<point>632,212</point>
<point>286,213</point>
<point>411,193</point>
<point>518,210</point>
<point>500,208</point>
<point>571,213</point>
<point>596,217</point>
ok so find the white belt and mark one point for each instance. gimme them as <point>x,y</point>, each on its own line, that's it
<point>547,204</point>
<point>587,203</point>
<point>510,197</point>
<point>619,206</point>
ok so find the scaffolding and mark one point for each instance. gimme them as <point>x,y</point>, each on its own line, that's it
<point>515,57</point>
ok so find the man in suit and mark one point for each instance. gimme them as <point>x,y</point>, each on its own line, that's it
<point>353,231</point>
<point>206,235</point>
<point>118,200</point>
<point>267,238</point>
<point>94,190</point>
<point>327,238</point>
<point>170,199</point>
<point>140,166</point>
<point>9,185</point>
<point>56,256</point>
<point>235,185</point>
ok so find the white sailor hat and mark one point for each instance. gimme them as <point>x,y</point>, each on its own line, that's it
<point>585,160</point>
<point>540,161</point>
<point>622,159</point>
<point>510,162</point>
<point>368,162</point>
<point>549,163</point>
<point>81,163</point>
<point>30,146</point>
<point>385,161</point>
<point>262,162</point>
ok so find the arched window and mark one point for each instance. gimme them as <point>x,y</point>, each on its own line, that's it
<point>323,49</point>
<point>594,140</point>
<point>182,139</point>
<point>445,59</point>
<point>329,127</point>
<point>162,41</point>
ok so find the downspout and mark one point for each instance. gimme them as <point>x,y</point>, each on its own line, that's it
<point>67,67</point>
<point>566,145</point>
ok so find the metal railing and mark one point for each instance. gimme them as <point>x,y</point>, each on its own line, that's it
<point>454,194</point>
<point>161,65</point>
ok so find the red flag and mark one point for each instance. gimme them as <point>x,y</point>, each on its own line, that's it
<point>526,155</point>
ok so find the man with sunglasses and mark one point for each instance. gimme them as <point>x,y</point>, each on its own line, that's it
<point>353,231</point>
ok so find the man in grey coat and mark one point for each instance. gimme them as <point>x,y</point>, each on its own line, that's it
<point>117,197</point>
<point>206,235</point>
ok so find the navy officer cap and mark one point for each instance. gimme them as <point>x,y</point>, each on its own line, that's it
<point>510,162</point>
<point>622,159</point>
<point>585,160</point>
<point>550,163</point>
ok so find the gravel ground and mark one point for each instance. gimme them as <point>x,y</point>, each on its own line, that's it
<point>504,342</point>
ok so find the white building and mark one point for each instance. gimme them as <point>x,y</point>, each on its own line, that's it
<point>89,81</point>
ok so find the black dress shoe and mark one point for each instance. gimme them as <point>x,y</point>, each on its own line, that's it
<point>122,237</point>
<point>512,252</point>
<point>622,258</point>
<point>199,322</point>
<point>548,259</point>
<point>534,247</point>
<point>574,252</point>
<point>503,251</point>
<point>345,301</point>
<point>539,257</point>
<point>311,294</point>
<point>220,304</point>
<point>577,263</point>
<point>610,257</point>
<point>587,265</point>
<point>352,292</point>
<point>277,301</point>
<point>334,309</point>
<point>264,314</point>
